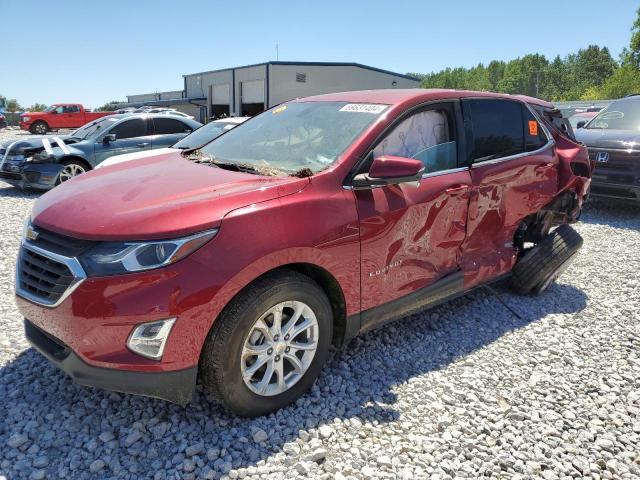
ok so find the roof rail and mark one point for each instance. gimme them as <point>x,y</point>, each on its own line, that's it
<point>632,95</point>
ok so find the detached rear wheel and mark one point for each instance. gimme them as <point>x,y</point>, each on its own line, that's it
<point>269,345</point>
<point>72,168</point>
<point>542,264</point>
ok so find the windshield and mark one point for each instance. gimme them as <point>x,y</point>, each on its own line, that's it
<point>620,115</point>
<point>296,136</point>
<point>90,128</point>
<point>203,135</point>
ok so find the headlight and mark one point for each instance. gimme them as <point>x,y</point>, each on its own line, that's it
<point>113,258</point>
<point>25,119</point>
<point>149,339</point>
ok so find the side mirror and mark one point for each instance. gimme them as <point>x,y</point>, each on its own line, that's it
<point>581,124</point>
<point>53,112</point>
<point>109,137</point>
<point>390,170</point>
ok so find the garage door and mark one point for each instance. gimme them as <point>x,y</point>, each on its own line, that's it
<point>220,94</point>
<point>253,91</point>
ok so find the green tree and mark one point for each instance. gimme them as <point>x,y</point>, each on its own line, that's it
<point>13,106</point>
<point>37,107</point>
<point>109,107</point>
<point>625,81</point>
<point>556,82</point>
<point>591,67</point>
<point>524,75</point>
<point>631,56</point>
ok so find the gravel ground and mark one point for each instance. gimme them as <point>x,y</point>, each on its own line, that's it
<point>491,384</point>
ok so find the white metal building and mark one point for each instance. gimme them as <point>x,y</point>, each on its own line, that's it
<point>250,89</point>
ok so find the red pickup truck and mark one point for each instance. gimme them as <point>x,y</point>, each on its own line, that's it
<point>59,115</point>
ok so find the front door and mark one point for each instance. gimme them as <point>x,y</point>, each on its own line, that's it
<point>411,234</point>
<point>132,135</point>
<point>515,173</point>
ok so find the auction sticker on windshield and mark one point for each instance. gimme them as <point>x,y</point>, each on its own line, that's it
<point>364,108</point>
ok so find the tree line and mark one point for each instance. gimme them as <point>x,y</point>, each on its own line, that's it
<point>590,74</point>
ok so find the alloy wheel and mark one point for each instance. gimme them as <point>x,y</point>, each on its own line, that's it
<point>71,170</point>
<point>279,348</point>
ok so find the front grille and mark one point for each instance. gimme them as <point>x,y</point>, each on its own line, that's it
<point>60,244</point>
<point>48,269</point>
<point>43,277</point>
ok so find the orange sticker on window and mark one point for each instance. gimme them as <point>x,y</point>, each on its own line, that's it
<point>533,128</point>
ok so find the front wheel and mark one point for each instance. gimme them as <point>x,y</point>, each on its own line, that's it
<point>542,264</point>
<point>72,168</point>
<point>269,345</point>
<point>39,128</point>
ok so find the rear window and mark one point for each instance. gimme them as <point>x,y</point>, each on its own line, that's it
<point>164,126</point>
<point>497,128</point>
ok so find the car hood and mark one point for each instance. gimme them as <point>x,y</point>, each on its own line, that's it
<point>600,138</point>
<point>33,114</point>
<point>165,196</point>
<point>33,141</point>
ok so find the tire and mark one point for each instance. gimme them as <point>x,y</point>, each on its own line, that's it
<point>544,263</point>
<point>223,366</point>
<point>39,128</point>
<point>72,168</point>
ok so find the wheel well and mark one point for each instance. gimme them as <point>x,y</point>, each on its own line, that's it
<point>79,160</point>
<point>331,288</point>
<point>537,225</point>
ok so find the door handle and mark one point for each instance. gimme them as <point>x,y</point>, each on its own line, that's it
<point>143,144</point>
<point>457,189</point>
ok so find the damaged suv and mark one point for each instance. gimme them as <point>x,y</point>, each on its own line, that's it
<point>43,162</point>
<point>243,261</point>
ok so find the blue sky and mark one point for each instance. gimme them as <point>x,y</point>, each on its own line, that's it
<point>91,51</point>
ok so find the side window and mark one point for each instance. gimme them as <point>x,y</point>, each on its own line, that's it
<point>534,136</point>
<point>497,128</point>
<point>136,127</point>
<point>60,109</point>
<point>170,125</point>
<point>71,109</point>
<point>428,136</point>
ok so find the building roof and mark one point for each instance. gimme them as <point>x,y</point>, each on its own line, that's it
<point>318,64</point>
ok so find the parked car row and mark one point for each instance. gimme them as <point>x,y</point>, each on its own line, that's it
<point>242,261</point>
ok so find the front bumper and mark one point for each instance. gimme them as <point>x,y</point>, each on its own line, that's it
<point>40,176</point>
<point>25,126</point>
<point>173,386</point>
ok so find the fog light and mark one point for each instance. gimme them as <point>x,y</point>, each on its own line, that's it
<point>149,339</point>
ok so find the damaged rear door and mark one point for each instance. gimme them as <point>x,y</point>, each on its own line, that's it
<point>514,170</point>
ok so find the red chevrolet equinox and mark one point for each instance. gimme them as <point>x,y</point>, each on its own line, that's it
<point>242,262</point>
